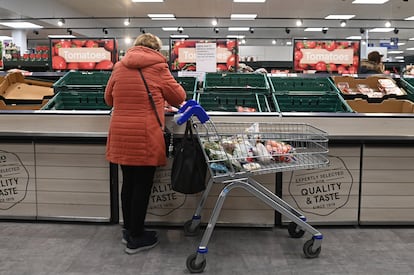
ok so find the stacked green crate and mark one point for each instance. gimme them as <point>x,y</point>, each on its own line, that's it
<point>189,84</point>
<point>408,85</point>
<point>231,92</point>
<point>316,94</point>
<point>79,91</point>
<point>77,100</point>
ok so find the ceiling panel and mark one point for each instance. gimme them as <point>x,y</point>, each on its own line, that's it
<point>88,18</point>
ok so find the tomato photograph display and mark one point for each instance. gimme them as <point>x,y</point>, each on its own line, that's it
<point>83,54</point>
<point>185,55</point>
<point>326,55</point>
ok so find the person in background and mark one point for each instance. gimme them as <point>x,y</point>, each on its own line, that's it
<point>373,64</point>
<point>135,139</point>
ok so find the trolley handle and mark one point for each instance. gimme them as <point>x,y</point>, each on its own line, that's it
<point>189,109</point>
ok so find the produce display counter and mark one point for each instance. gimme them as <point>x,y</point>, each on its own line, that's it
<point>53,167</point>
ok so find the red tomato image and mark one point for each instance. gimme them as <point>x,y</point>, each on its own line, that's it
<point>310,44</point>
<point>91,44</point>
<point>109,45</point>
<point>299,45</point>
<point>221,67</point>
<point>104,65</point>
<point>190,68</point>
<point>189,43</point>
<point>72,66</point>
<point>232,61</point>
<point>86,65</point>
<point>177,45</point>
<point>352,70</point>
<point>58,63</point>
<point>331,67</point>
<point>330,46</point>
<point>176,65</point>
<point>355,61</point>
<point>341,69</point>
<point>298,55</point>
<point>61,44</point>
<point>79,43</point>
<point>231,44</point>
<point>343,44</point>
<point>320,66</point>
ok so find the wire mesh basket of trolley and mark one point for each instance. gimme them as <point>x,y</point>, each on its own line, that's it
<point>235,152</point>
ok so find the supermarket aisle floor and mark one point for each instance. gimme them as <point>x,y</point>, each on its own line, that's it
<point>74,249</point>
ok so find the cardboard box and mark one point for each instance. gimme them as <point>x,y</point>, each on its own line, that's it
<point>16,90</point>
<point>386,106</point>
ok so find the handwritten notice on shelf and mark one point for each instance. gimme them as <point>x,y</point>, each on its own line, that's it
<point>206,57</point>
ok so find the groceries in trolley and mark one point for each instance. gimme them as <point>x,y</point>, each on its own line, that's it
<point>246,151</point>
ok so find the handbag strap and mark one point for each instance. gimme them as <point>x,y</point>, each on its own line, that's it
<point>151,99</point>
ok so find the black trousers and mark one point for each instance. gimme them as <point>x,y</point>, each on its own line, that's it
<point>136,189</point>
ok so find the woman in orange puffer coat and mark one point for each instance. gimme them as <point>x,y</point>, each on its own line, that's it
<point>135,138</point>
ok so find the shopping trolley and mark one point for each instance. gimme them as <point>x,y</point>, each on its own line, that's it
<point>235,152</point>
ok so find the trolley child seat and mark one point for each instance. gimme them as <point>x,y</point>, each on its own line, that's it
<point>235,152</point>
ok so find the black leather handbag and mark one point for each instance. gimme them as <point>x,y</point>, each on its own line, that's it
<point>188,172</point>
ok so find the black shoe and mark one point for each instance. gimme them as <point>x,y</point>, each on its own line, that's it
<point>125,235</point>
<point>146,241</point>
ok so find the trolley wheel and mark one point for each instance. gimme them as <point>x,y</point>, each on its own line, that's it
<point>294,232</point>
<point>307,249</point>
<point>191,232</point>
<point>192,267</point>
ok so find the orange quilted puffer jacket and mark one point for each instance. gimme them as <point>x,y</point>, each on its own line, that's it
<point>135,137</point>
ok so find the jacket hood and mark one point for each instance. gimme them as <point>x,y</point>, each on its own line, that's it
<point>141,57</point>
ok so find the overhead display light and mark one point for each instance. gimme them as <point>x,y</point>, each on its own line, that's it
<point>340,16</point>
<point>381,30</point>
<point>243,16</point>
<point>249,1</point>
<point>238,29</point>
<point>161,16</point>
<point>374,2</point>
<point>147,1</point>
<point>21,25</point>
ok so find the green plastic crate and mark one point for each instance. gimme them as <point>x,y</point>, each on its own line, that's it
<point>288,84</point>
<point>312,103</point>
<point>95,81</point>
<point>77,100</point>
<point>229,101</point>
<point>408,85</point>
<point>189,84</point>
<point>242,82</point>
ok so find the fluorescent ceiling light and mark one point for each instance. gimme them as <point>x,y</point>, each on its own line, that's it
<point>289,43</point>
<point>148,1</point>
<point>401,43</point>
<point>340,16</point>
<point>411,39</point>
<point>357,37</point>
<point>170,29</point>
<point>409,49</point>
<point>21,25</point>
<point>249,1</point>
<point>369,1</point>
<point>314,29</point>
<point>161,16</point>
<point>394,52</point>
<point>235,36</point>
<point>179,36</point>
<point>409,18</point>
<point>238,29</point>
<point>61,36</point>
<point>241,16</point>
<point>399,57</point>
<point>381,30</point>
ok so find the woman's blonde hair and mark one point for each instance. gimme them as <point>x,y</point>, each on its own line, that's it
<point>148,40</point>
